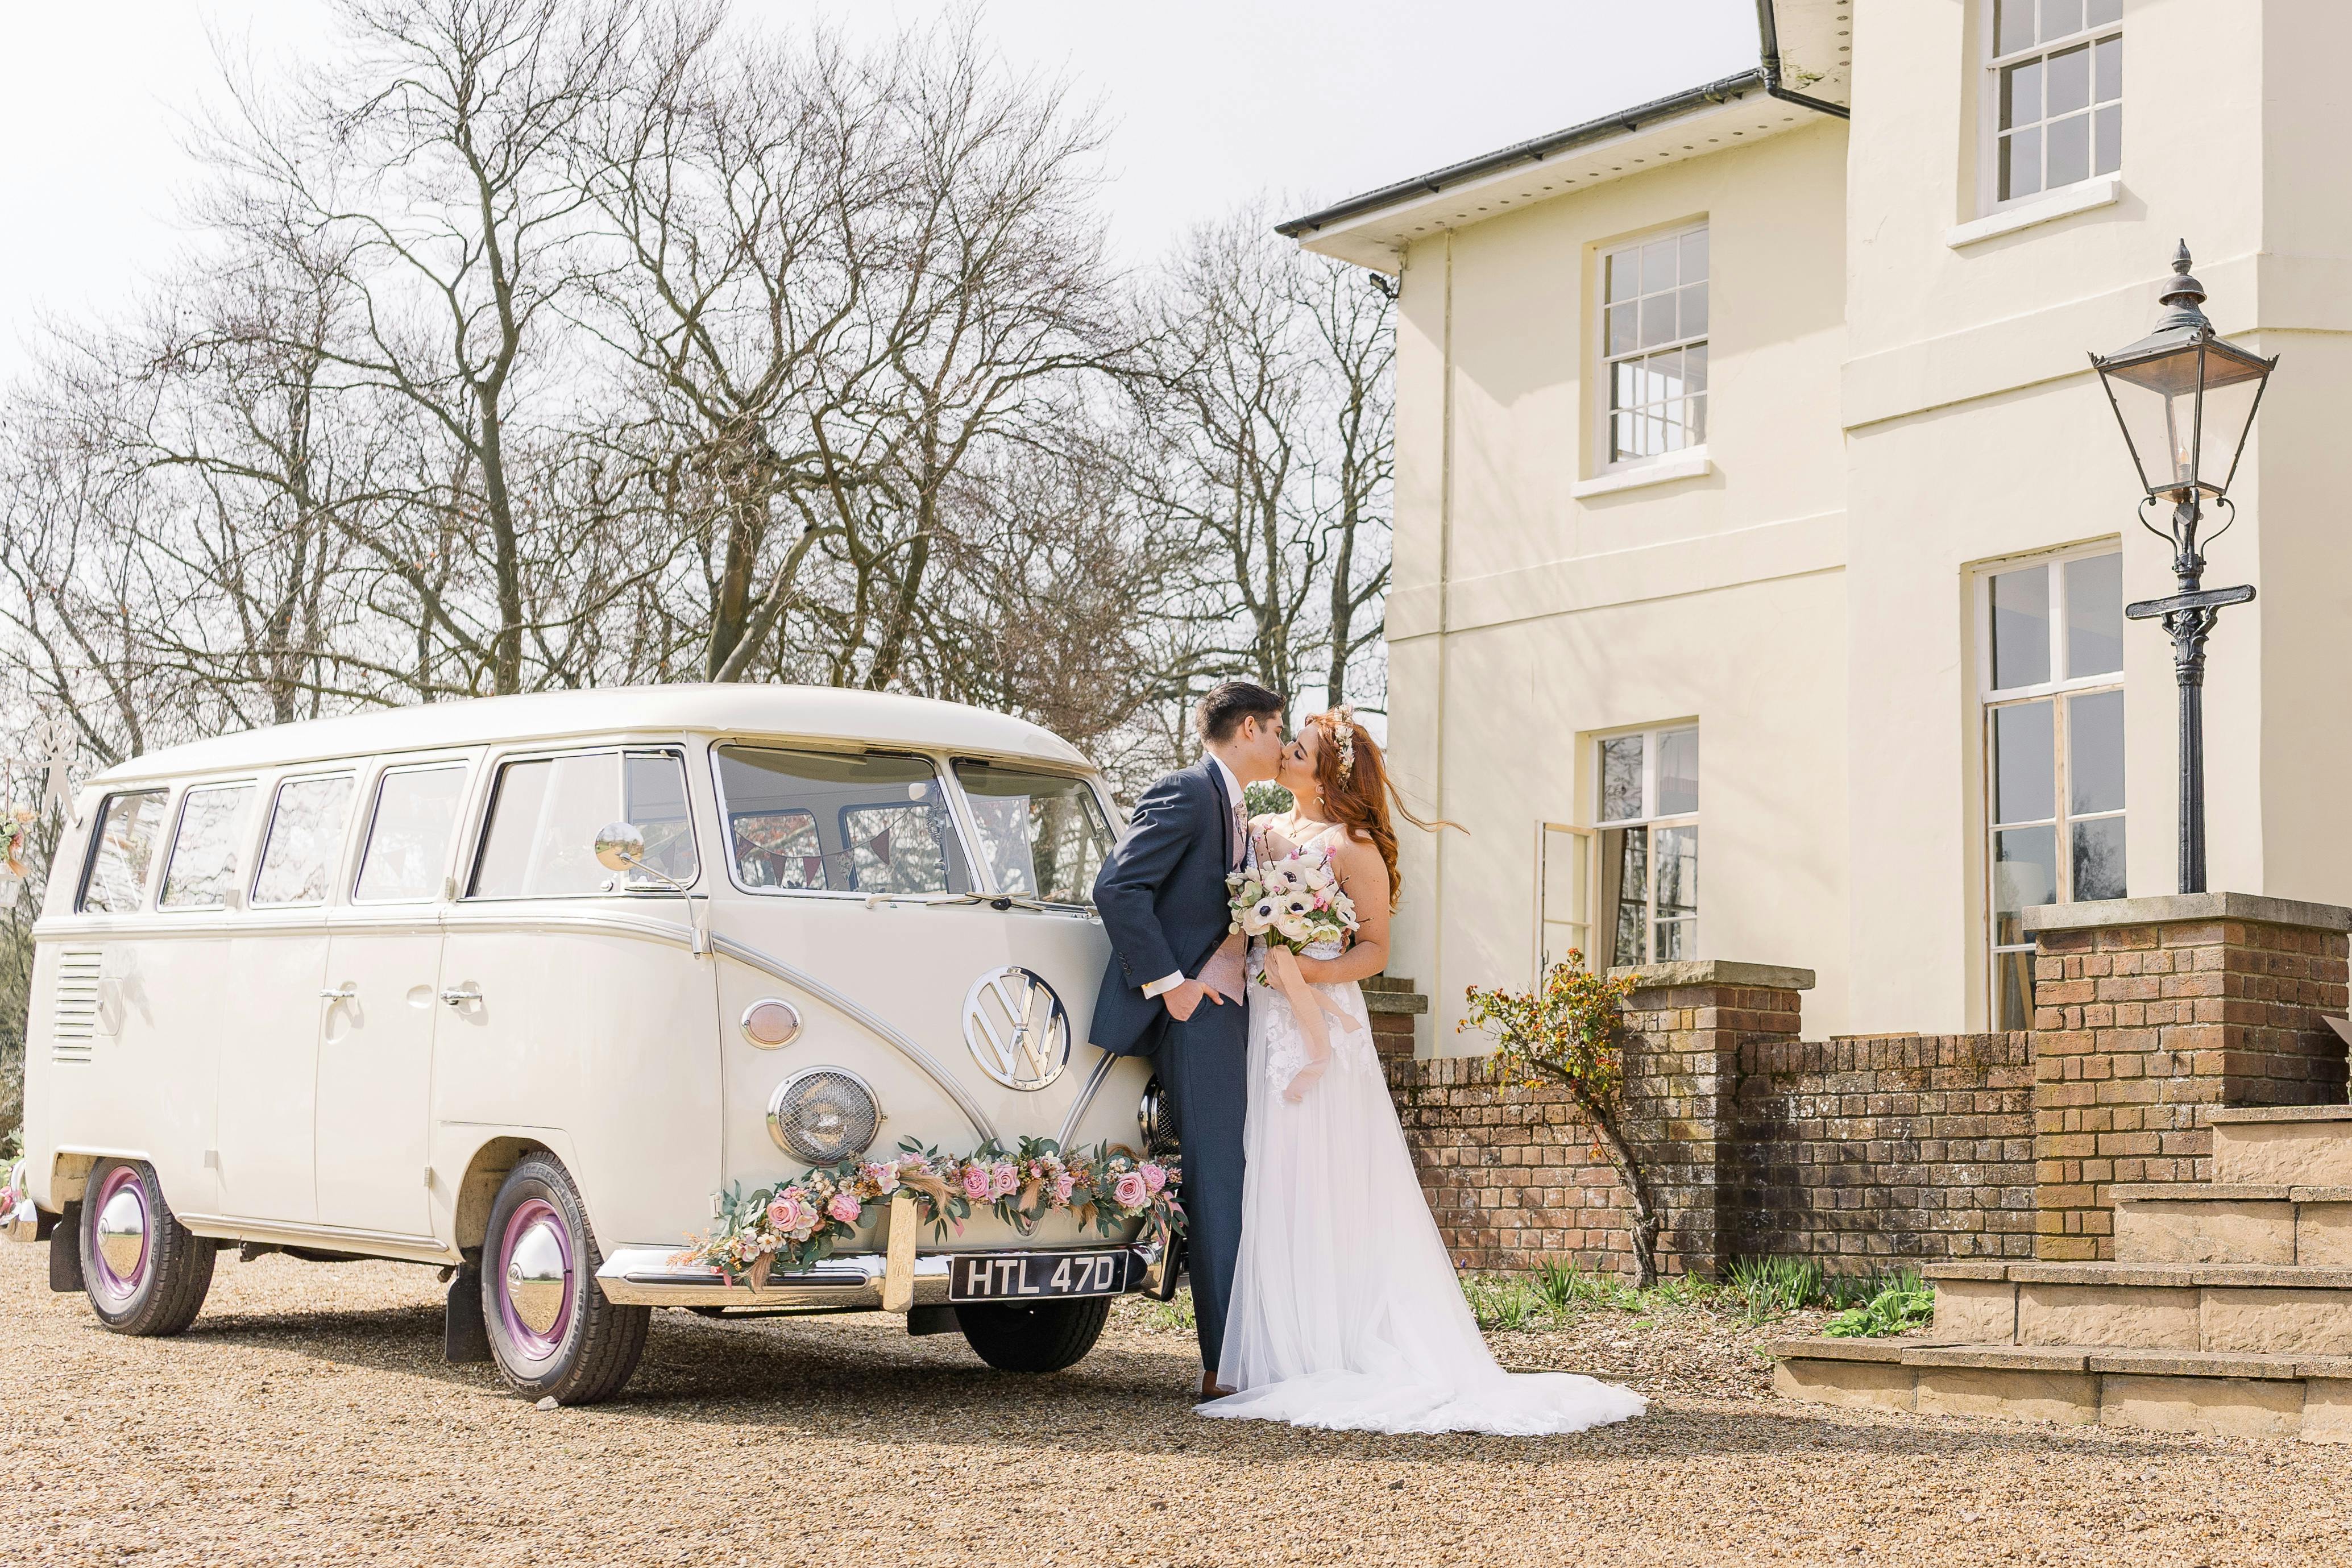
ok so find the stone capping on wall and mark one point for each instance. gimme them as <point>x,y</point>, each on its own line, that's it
<point>1715,972</point>
<point>2164,909</point>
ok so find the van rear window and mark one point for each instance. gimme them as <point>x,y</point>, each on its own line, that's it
<point>125,848</point>
<point>203,867</point>
<point>839,823</point>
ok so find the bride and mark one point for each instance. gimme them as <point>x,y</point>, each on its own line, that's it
<point>1346,1312</point>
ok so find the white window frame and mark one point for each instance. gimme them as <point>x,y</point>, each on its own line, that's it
<point>1560,929</point>
<point>1990,200</point>
<point>2062,684</point>
<point>1651,820</point>
<point>1687,460</point>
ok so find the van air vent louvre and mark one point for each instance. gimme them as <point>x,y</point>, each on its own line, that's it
<point>73,1021</point>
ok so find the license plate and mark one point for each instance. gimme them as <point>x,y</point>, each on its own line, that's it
<point>1025,1275</point>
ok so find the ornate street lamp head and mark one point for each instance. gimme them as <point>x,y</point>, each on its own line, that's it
<point>2185,398</point>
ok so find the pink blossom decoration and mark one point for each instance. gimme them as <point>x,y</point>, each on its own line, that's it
<point>976,1183</point>
<point>845,1208</point>
<point>1154,1176</point>
<point>1129,1190</point>
<point>1004,1180</point>
<point>1064,1185</point>
<point>791,1214</point>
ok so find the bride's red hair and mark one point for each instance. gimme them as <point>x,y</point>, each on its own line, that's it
<point>1359,795</point>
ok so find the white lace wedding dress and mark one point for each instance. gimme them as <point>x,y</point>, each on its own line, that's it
<point>1346,1312</point>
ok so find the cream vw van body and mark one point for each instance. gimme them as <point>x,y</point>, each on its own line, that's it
<point>351,1033</point>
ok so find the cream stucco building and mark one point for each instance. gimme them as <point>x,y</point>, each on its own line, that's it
<point>1762,528</point>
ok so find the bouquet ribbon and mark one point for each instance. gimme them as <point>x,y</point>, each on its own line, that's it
<point>1307,1003</point>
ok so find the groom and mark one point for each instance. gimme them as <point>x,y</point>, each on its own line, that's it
<point>1163,899</point>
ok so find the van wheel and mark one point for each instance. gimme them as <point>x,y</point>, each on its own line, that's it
<point>144,1272</point>
<point>1046,1337</point>
<point>551,1330</point>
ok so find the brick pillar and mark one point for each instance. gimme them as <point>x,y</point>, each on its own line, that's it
<point>2149,1012</point>
<point>1394,1005</point>
<point>1687,1023</point>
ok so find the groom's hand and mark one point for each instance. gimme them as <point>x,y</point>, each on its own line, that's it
<point>1185,998</point>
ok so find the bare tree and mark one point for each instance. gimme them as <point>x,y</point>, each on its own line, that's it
<point>1269,398</point>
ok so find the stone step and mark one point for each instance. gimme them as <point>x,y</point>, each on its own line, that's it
<point>2289,1145</point>
<point>2238,1222</point>
<point>2231,1308</point>
<point>2223,1394</point>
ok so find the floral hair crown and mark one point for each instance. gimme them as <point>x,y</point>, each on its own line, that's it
<point>1343,729</point>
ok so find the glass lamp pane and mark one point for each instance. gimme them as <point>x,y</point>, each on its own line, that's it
<point>1621,778</point>
<point>2095,753</point>
<point>2020,629</point>
<point>2098,865</point>
<point>2230,391</point>
<point>2025,782</point>
<point>2156,421</point>
<point>2095,616</point>
<point>1677,773</point>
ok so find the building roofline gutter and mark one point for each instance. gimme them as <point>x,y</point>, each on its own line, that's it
<point>1543,147</point>
<point>1768,29</point>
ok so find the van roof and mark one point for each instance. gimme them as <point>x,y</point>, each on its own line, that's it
<point>813,713</point>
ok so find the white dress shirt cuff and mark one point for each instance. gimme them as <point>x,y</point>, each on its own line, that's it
<point>1164,984</point>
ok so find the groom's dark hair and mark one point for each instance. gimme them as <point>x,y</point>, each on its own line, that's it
<point>1231,701</point>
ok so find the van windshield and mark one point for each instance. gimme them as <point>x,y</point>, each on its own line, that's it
<point>1043,833</point>
<point>830,822</point>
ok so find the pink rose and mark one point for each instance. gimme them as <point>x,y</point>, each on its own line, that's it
<point>1006,1182</point>
<point>1063,1185</point>
<point>844,1207</point>
<point>791,1215</point>
<point>976,1183</point>
<point>1129,1190</point>
<point>1154,1177</point>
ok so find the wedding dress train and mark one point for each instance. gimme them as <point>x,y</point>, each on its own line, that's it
<point>1346,1312</point>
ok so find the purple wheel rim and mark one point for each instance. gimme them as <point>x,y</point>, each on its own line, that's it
<point>532,1220</point>
<point>117,1284</point>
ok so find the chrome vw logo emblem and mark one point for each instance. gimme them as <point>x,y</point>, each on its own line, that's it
<point>1017,1028</point>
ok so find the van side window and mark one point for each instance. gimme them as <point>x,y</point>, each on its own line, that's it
<point>541,839</point>
<point>203,867</point>
<point>829,822</point>
<point>408,837</point>
<point>116,882</point>
<point>306,840</point>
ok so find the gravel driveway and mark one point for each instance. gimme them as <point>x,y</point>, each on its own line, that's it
<point>309,1418</point>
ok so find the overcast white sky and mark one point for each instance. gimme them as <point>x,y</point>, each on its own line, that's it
<point>1209,103</point>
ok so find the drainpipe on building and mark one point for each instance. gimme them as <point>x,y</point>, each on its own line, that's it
<point>1769,31</point>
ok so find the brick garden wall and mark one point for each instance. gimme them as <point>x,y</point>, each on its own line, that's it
<point>1853,1150</point>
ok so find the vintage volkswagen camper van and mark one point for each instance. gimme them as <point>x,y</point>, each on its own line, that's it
<point>517,985</point>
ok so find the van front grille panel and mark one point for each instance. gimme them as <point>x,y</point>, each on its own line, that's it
<point>73,1016</point>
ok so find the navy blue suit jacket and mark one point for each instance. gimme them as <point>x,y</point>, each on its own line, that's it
<point>1162,898</point>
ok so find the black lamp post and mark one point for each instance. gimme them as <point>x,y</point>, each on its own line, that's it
<point>2185,400</point>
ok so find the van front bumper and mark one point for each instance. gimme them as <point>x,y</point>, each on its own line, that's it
<point>644,1276</point>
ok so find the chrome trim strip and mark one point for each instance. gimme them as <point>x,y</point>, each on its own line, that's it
<point>644,1276</point>
<point>327,1238</point>
<point>1085,1096</point>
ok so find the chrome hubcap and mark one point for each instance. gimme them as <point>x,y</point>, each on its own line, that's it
<point>121,1233</point>
<point>537,1277</point>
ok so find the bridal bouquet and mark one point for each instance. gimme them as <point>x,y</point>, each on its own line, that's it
<point>1294,903</point>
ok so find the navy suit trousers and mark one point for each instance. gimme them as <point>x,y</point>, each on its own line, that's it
<point>1203,1063</point>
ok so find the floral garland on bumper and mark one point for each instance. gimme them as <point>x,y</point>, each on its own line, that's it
<point>795,1225</point>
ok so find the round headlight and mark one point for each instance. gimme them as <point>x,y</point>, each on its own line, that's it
<point>824,1115</point>
<point>1156,1119</point>
<point>771,1022</point>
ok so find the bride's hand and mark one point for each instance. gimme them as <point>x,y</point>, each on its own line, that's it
<point>1305,1079</point>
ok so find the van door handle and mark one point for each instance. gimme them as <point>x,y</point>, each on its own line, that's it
<point>458,998</point>
<point>341,993</point>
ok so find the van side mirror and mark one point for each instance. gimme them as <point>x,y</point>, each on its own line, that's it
<point>620,846</point>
